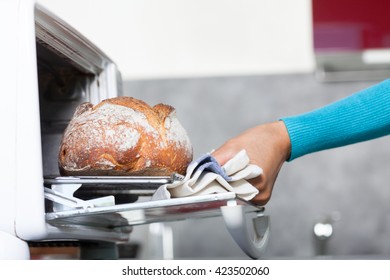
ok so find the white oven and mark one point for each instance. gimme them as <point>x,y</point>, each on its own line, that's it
<point>48,68</point>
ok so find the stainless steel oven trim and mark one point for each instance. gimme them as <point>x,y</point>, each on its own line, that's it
<point>65,40</point>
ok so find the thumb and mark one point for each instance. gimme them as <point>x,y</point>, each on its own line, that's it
<point>222,155</point>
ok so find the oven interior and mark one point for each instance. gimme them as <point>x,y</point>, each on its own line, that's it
<point>62,87</point>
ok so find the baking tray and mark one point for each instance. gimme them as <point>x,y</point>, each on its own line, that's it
<point>129,181</point>
<point>112,185</point>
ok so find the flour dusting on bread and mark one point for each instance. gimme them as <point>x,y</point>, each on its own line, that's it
<point>124,136</point>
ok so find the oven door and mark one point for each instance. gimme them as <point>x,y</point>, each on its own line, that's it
<point>100,218</point>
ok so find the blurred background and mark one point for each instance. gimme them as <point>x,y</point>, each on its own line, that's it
<point>228,65</point>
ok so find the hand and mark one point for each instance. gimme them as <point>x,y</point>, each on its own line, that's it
<point>267,146</point>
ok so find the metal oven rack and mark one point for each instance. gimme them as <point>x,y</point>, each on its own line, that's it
<point>96,211</point>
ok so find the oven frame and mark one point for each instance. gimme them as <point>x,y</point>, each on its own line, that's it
<point>23,23</point>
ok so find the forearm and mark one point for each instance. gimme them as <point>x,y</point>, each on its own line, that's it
<point>359,117</point>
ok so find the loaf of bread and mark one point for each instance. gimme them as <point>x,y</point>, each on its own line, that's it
<point>124,136</point>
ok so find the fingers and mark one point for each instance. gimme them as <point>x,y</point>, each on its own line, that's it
<point>228,151</point>
<point>267,146</point>
<point>221,157</point>
<point>259,200</point>
<point>223,154</point>
<point>265,191</point>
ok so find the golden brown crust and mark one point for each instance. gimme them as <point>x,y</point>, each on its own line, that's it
<point>124,136</point>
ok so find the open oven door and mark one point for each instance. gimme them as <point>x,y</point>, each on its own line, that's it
<point>101,219</point>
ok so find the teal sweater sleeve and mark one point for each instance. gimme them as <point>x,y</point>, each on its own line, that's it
<point>362,116</point>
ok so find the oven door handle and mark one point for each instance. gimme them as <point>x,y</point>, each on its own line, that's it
<point>252,238</point>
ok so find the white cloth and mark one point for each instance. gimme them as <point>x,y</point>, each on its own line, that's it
<point>206,176</point>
